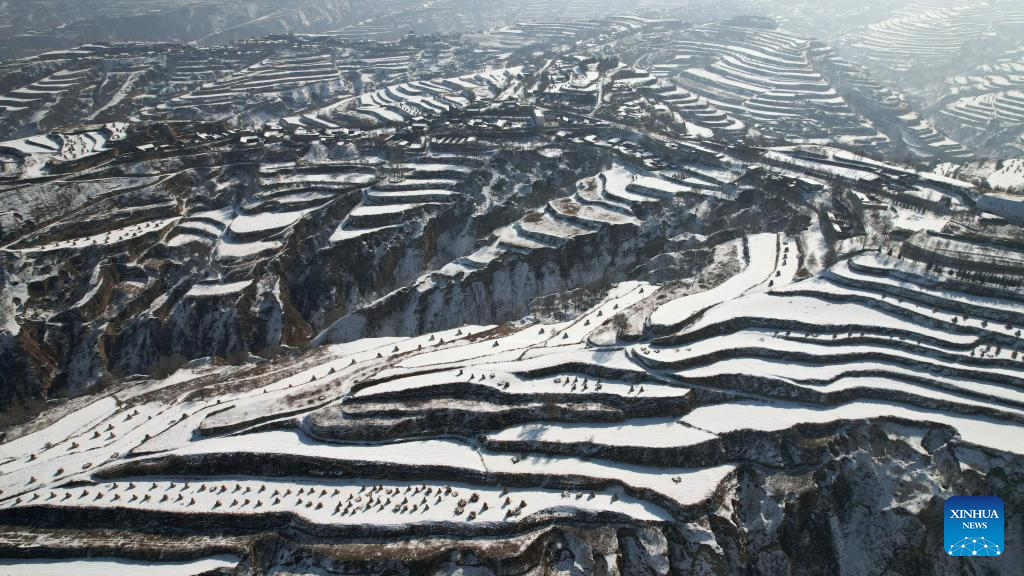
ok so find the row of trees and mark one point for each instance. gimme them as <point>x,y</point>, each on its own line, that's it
<point>1002,280</point>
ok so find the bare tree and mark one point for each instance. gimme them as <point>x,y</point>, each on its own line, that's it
<point>621,325</point>
<point>881,226</point>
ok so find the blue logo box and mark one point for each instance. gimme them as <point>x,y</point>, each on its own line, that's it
<point>974,526</point>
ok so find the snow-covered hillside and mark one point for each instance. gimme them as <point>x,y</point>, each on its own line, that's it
<point>527,288</point>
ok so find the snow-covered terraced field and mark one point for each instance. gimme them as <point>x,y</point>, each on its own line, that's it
<point>107,238</point>
<point>61,148</point>
<point>727,77</point>
<point>287,194</point>
<point>364,433</point>
<point>922,35</point>
<point>883,336</point>
<point>724,418</point>
<point>410,190</point>
<point>696,109</point>
<point>614,198</point>
<point>673,294</point>
<point>106,566</point>
<point>218,89</point>
<point>551,27</point>
<point>395,505</point>
<point>991,95</point>
<point>35,99</point>
<point>761,257</point>
<point>402,102</point>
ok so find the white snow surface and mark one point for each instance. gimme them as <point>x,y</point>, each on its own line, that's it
<point>771,416</point>
<point>646,433</point>
<point>113,567</point>
<point>757,269</point>
<point>697,484</point>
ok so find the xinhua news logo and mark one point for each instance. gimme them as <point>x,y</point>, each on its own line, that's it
<point>974,526</point>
